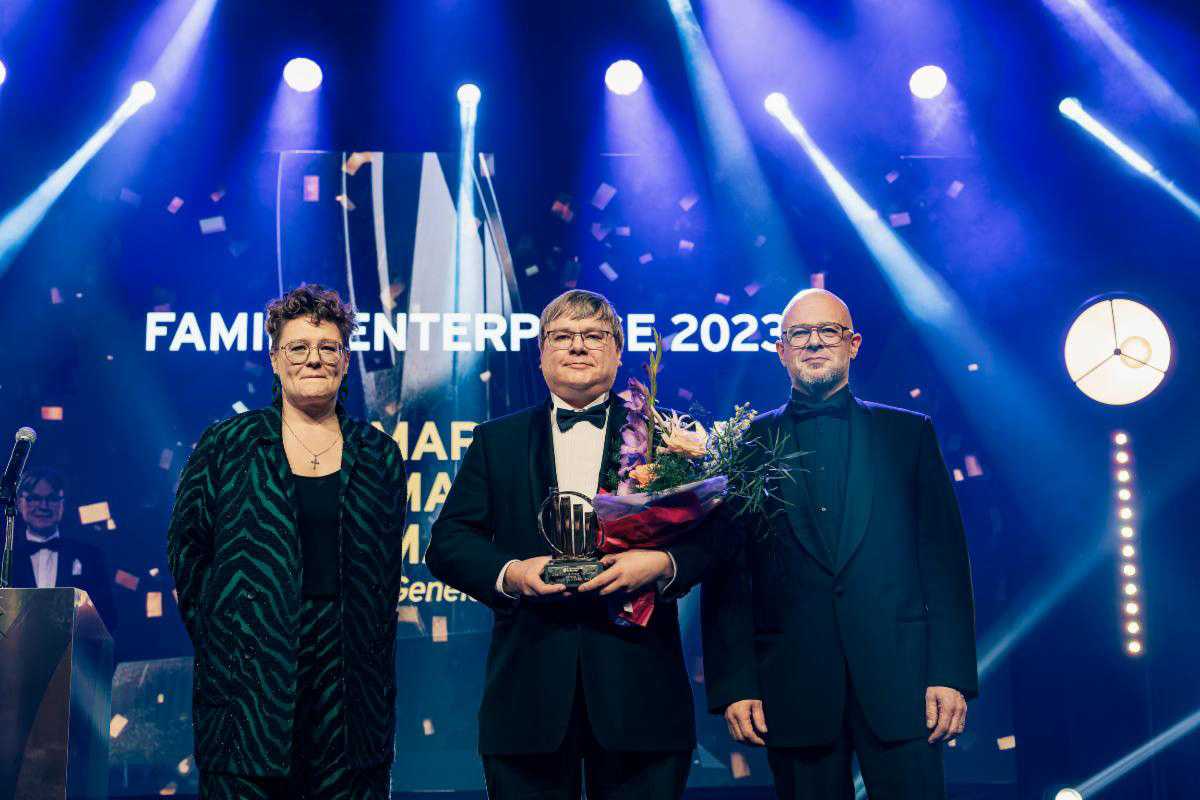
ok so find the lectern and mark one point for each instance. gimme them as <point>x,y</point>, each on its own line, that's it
<point>55,695</point>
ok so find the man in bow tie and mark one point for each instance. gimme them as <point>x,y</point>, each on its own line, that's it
<point>846,623</point>
<point>570,699</point>
<point>43,558</point>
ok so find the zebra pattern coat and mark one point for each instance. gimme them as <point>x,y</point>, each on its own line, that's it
<point>234,550</point>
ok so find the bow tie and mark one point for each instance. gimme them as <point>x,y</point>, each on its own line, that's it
<point>54,545</point>
<point>568,419</point>
<point>805,407</point>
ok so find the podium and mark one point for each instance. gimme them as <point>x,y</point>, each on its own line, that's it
<point>55,695</point>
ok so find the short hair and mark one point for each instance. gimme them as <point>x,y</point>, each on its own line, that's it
<point>33,477</point>
<point>582,304</point>
<point>315,303</point>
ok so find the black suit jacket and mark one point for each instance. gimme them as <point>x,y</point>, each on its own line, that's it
<point>94,576</point>
<point>636,686</point>
<point>786,622</point>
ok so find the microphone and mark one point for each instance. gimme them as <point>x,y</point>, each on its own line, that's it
<point>16,462</point>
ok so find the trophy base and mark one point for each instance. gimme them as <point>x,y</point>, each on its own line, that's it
<point>571,572</point>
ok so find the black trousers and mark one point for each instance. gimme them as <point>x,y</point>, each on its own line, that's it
<point>581,762</point>
<point>319,767</point>
<point>906,770</point>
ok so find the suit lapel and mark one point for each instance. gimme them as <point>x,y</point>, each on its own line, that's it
<point>617,415</point>
<point>859,485</point>
<point>797,502</point>
<point>541,457</point>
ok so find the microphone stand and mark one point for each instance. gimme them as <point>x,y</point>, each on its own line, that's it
<point>10,518</point>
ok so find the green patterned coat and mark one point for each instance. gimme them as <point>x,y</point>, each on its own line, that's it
<point>234,549</point>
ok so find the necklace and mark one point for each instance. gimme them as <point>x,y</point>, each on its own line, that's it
<point>316,456</point>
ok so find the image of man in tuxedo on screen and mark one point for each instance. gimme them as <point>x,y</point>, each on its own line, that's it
<point>44,558</point>
<point>845,626</point>
<point>570,697</point>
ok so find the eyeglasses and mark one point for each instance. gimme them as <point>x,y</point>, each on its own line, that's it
<point>46,499</point>
<point>828,333</point>
<point>297,352</point>
<point>562,340</point>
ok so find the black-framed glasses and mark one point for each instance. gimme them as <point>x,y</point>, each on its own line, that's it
<point>328,351</point>
<point>562,340</point>
<point>42,499</point>
<point>827,333</point>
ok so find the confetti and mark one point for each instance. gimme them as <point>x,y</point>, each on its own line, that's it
<point>93,513</point>
<point>623,230</point>
<point>900,220</point>
<point>154,572</point>
<point>217,195</point>
<point>688,201</point>
<point>973,468</point>
<point>168,790</point>
<point>439,631</point>
<point>346,202</point>
<point>760,240</point>
<point>686,246</point>
<point>685,394</point>
<point>952,743</point>
<point>485,376</point>
<point>165,458</point>
<point>958,476</point>
<point>131,197</point>
<point>603,196</point>
<point>817,280</point>
<point>891,176</point>
<point>240,407</point>
<point>175,204</point>
<point>972,367</point>
<point>562,208</point>
<point>52,413</point>
<point>153,605</point>
<point>645,258</point>
<point>396,289</point>
<point>355,161</point>
<point>914,393</point>
<point>161,698</point>
<point>531,270</point>
<point>955,190</point>
<point>212,225</point>
<point>607,271</point>
<point>1007,743</point>
<point>600,231</point>
<point>116,725</point>
<point>128,580</point>
<point>721,299</point>
<point>185,766</point>
<point>55,295</point>
<point>739,766</point>
<point>312,188</point>
<point>410,615</point>
<point>110,524</point>
<point>751,289</point>
<point>427,726</point>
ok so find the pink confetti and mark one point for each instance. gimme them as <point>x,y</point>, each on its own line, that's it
<point>175,204</point>
<point>55,295</point>
<point>891,176</point>
<point>688,201</point>
<point>52,413</point>
<point>623,230</point>
<point>958,476</point>
<point>439,631</point>
<point>900,220</point>
<point>760,240</point>
<point>128,580</point>
<point>974,470</point>
<point>817,280</point>
<point>751,289</point>
<point>312,188</point>
<point>131,197</point>
<point>603,196</point>
<point>165,458</point>
<point>645,258</point>
<point>722,299</point>
<point>914,393</point>
<point>600,231</point>
<point>685,394</point>
<point>955,190</point>
<point>686,246</point>
<point>607,271</point>
<point>217,195</point>
<point>562,208</point>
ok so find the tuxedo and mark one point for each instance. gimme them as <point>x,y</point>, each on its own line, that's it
<point>844,627</point>
<point>555,661</point>
<point>63,561</point>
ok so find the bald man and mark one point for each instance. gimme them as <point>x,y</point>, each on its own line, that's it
<point>846,623</point>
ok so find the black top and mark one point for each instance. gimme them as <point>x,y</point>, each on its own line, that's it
<point>821,429</point>
<point>319,532</point>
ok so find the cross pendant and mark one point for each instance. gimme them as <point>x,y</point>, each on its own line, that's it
<point>314,462</point>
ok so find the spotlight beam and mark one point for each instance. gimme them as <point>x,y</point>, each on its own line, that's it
<point>466,249</point>
<point>1073,110</point>
<point>1118,769</point>
<point>20,222</point>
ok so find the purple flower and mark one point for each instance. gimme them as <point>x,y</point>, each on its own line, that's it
<point>637,393</point>
<point>634,438</point>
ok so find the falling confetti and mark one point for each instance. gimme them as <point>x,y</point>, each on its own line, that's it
<point>93,513</point>
<point>623,230</point>
<point>485,376</point>
<point>688,201</point>
<point>751,289</point>
<point>312,188</point>
<point>355,161</point>
<point>892,176</point>
<point>972,367</point>
<point>900,220</point>
<point>346,202</point>
<point>127,580</point>
<point>1007,743</point>
<point>958,475</point>
<point>721,299</point>
<point>603,196</point>
<point>217,195</point>
<point>212,225</point>
<point>686,246</point>
<point>165,458</point>
<point>914,393</point>
<point>131,197</point>
<point>685,394</point>
<point>974,470</point>
<point>439,631</point>
<point>52,413</point>
<point>817,280</point>
<point>645,258</point>
<point>116,725</point>
<point>175,204</point>
<point>240,407</point>
<point>607,271</point>
<point>531,270</point>
<point>955,190</point>
<point>55,295</point>
<point>562,208</point>
<point>153,605</point>
<point>599,232</point>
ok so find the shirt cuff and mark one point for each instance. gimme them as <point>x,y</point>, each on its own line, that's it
<point>500,580</point>
<point>665,583</point>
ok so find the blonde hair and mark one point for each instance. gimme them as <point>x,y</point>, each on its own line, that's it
<point>582,304</point>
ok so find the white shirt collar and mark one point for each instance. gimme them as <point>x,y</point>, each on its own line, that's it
<point>560,403</point>
<point>33,537</point>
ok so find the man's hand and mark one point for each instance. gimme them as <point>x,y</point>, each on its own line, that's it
<point>630,571</point>
<point>525,578</point>
<point>945,712</point>
<point>746,722</point>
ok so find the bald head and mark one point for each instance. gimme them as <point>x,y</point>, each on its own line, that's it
<point>814,306</point>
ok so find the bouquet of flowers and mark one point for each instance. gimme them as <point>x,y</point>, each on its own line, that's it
<point>672,472</point>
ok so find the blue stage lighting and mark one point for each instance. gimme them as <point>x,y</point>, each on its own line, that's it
<point>928,82</point>
<point>3,73</point>
<point>775,104</point>
<point>469,94</point>
<point>303,74</point>
<point>623,77</point>
<point>141,93</point>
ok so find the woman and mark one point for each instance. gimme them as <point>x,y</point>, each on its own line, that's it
<point>285,544</point>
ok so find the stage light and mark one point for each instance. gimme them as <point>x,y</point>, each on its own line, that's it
<point>1121,438</point>
<point>1073,110</point>
<point>1131,608</point>
<point>1131,589</point>
<point>1135,647</point>
<point>1134,627</point>
<point>468,94</point>
<point>1127,532</point>
<point>775,104</point>
<point>3,73</point>
<point>1121,457</point>
<point>1117,352</point>
<point>1068,794</point>
<point>1129,570</point>
<point>1110,774</point>
<point>142,93</point>
<point>1126,512</point>
<point>1127,551</point>
<point>1123,475</point>
<point>302,74</point>
<point>927,82</point>
<point>1124,494</point>
<point>623,77</point>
